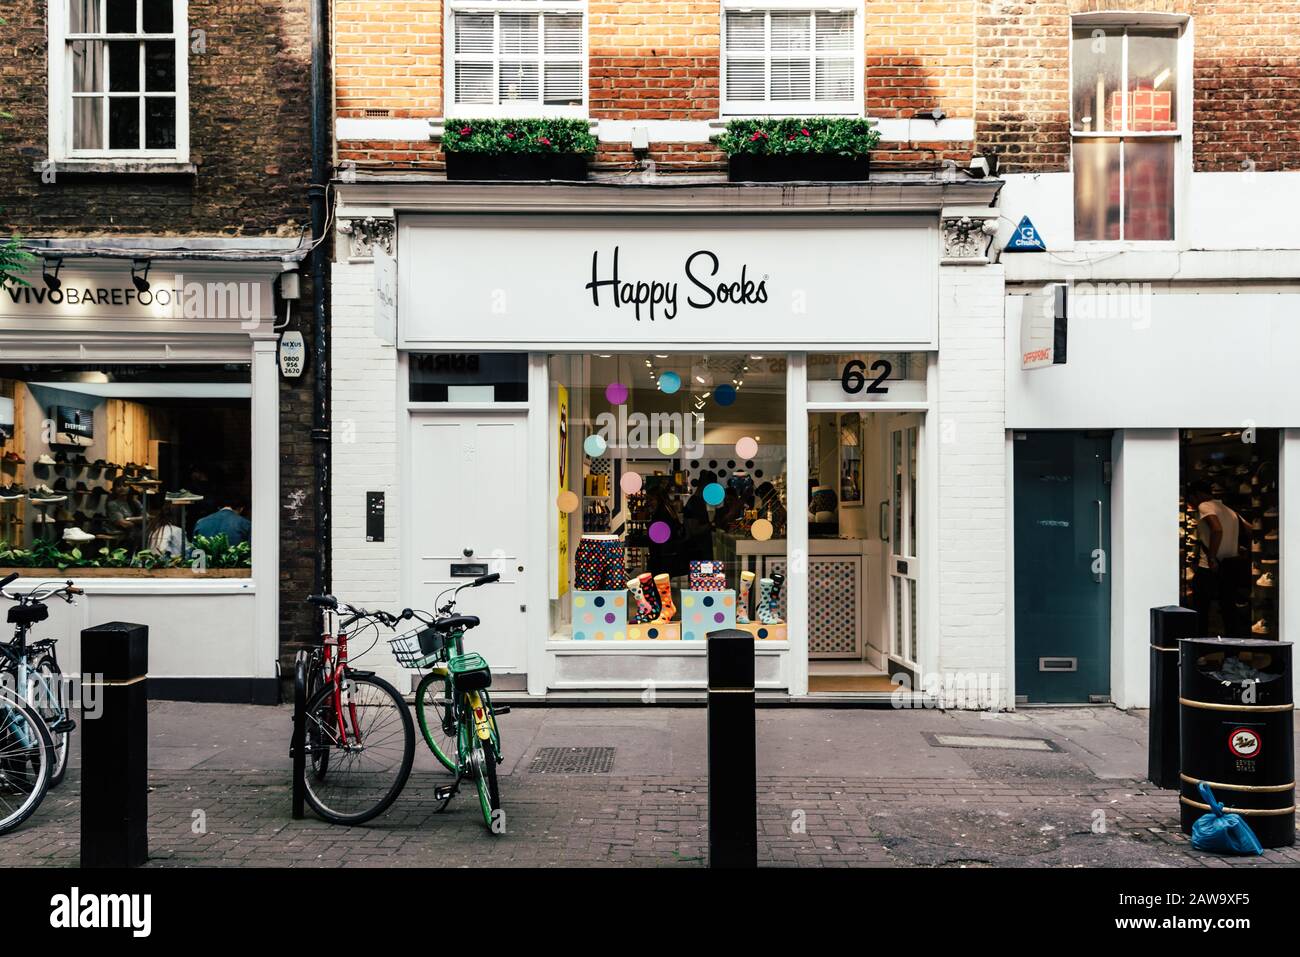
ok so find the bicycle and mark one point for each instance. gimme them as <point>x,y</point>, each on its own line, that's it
<point>26,757</point>
<point>359,737</point>
<point>34,666</point>
<point>452,704</point>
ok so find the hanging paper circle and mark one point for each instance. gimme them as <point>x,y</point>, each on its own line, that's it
<point>630,483</point>
<point>594,446</point>
<point>761,530</point>
<point>660,532</point>
<point>724,395</point>
<point>669,443</point>
<point>616,393</point>
<point>714,494</point>
<point>567,502</point>
<point>747,447</point>
<point>670,382</point>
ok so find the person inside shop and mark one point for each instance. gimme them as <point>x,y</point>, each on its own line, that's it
<point>697,531</point>
<point>123,509</point>
<point>228,520</point>
<point>164,535</point>
<point>667,556</point>
<point>1220,569</point>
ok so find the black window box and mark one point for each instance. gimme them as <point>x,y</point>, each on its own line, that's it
<point>516,166</point>
<point>814,167</point>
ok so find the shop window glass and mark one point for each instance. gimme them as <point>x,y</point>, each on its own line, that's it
<point>469,377</point>
<point>1229,548</point>
<point>137,468</point>
<point>669,471</point>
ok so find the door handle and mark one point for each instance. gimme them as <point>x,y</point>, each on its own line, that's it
<point>883,518</point>
<point>1100,574</point>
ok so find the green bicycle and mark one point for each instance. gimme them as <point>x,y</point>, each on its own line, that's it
<point>452,705</point>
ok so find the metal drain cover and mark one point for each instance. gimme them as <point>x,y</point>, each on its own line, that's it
<point>572,761</point>
<point>990,741</point>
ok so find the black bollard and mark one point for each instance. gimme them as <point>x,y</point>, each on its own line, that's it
<point>1168,624</point>
<point>733,752</point>
<point>114,745</point>
<point>297,748</point>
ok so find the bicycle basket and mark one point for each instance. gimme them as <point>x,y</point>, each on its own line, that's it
<point>470,672</point>
<point>414,650</point>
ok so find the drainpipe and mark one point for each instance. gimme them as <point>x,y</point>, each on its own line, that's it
<point>318,192</point>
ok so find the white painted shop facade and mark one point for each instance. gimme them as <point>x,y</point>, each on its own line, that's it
<point>486,362</point>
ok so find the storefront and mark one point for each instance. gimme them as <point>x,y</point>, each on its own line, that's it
<point>1158,465</point>
<point>139,413</point>
<point>659,411</point>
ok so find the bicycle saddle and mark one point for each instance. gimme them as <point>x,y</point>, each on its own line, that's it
<point>457,623</point>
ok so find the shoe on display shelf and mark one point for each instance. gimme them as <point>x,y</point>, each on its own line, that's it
<point>43,493</point>
<point>1261,627</point>
<point>12,492</point>
<point>75,534</point>
<point>183,495</point>
<point>1265,580</point>
<point>45,460</point>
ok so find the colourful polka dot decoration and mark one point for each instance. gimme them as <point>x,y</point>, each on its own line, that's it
<point>706,611</point>
<point>761,530</point>
<point>616,393</point>
<point>599,615</point>
<point>630,483</point>
<point>669,382</point>
<point>713,494</point>
<point>567,502</point>
<point>594,446</point>
<point>747,447</point>
<point>669,443</point>
<point>724,395</point>
<point>660,532</point>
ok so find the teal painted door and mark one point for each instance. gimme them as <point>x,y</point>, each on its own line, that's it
<point>1062,538</point>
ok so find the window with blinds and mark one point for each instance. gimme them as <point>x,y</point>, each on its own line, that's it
<point>518,57</point>
<point>803,61</point>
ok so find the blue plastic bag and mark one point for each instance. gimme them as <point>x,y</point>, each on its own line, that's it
<point>1221,833</point>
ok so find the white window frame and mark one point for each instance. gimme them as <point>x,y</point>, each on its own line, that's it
<point>511,110</point>
<point>1183,135</point>
<point>60,87</point>
<point>854,106</point>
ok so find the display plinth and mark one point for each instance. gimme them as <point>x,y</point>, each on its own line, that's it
<point>600,615</point>
<point>706,611</point>
<point>762,632</point>
<point>656,631</point>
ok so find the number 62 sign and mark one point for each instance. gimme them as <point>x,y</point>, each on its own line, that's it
<point>854,377</point>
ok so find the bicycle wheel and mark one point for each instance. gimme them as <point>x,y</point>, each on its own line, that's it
<point>436,718</point>
<point>51,703</point>
<point>369,758</point>
<point>483,760</point>
<point>318,755</point>
<point>26,758</point>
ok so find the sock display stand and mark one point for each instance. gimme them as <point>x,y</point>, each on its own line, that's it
<point>600,616</point>
<point>706,611</point>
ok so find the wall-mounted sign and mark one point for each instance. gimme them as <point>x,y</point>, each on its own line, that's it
<point>73,426</point>
<point>1026,239</point>
<point>599,281</point>
<point>1043,327</point>
<point>293,354</point>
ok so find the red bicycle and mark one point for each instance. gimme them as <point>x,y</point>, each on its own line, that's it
<point>358,737</point>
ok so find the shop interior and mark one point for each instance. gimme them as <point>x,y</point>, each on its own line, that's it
<point>862,544</point>
<point>123,464</point>
<point>672,495</point>
<point>1232,474</point>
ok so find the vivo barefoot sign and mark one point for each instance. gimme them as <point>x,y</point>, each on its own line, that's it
<point>619,280</point>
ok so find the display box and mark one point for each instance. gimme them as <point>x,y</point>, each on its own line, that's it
<point>655,631</point>
<point>762,632</point>
<point>600,615</point>
<point>706,611</point>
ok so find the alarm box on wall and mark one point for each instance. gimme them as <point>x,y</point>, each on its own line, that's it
<point>73,426</point>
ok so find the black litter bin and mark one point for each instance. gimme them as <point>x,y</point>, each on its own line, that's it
<point>1237,733</point>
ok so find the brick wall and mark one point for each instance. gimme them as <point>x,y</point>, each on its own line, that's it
<point>919,56</point>
<point>388,58</point>
<point>1246,86</point>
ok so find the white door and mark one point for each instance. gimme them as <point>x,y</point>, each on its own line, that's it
<point>903,534</point>
<point>467,504</point>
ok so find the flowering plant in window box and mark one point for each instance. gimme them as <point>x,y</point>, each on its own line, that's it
<point>821,149</point>
<point>517,149</point>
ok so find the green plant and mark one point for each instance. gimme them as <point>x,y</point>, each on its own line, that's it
<point>14,259</point>
<point>494,137</point>
<point>791,136</point>
<point>219,553</point>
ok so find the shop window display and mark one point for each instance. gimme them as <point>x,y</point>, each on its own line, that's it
<point>126,470</point>
<point>671,495</point>
<point>1229,519</point>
